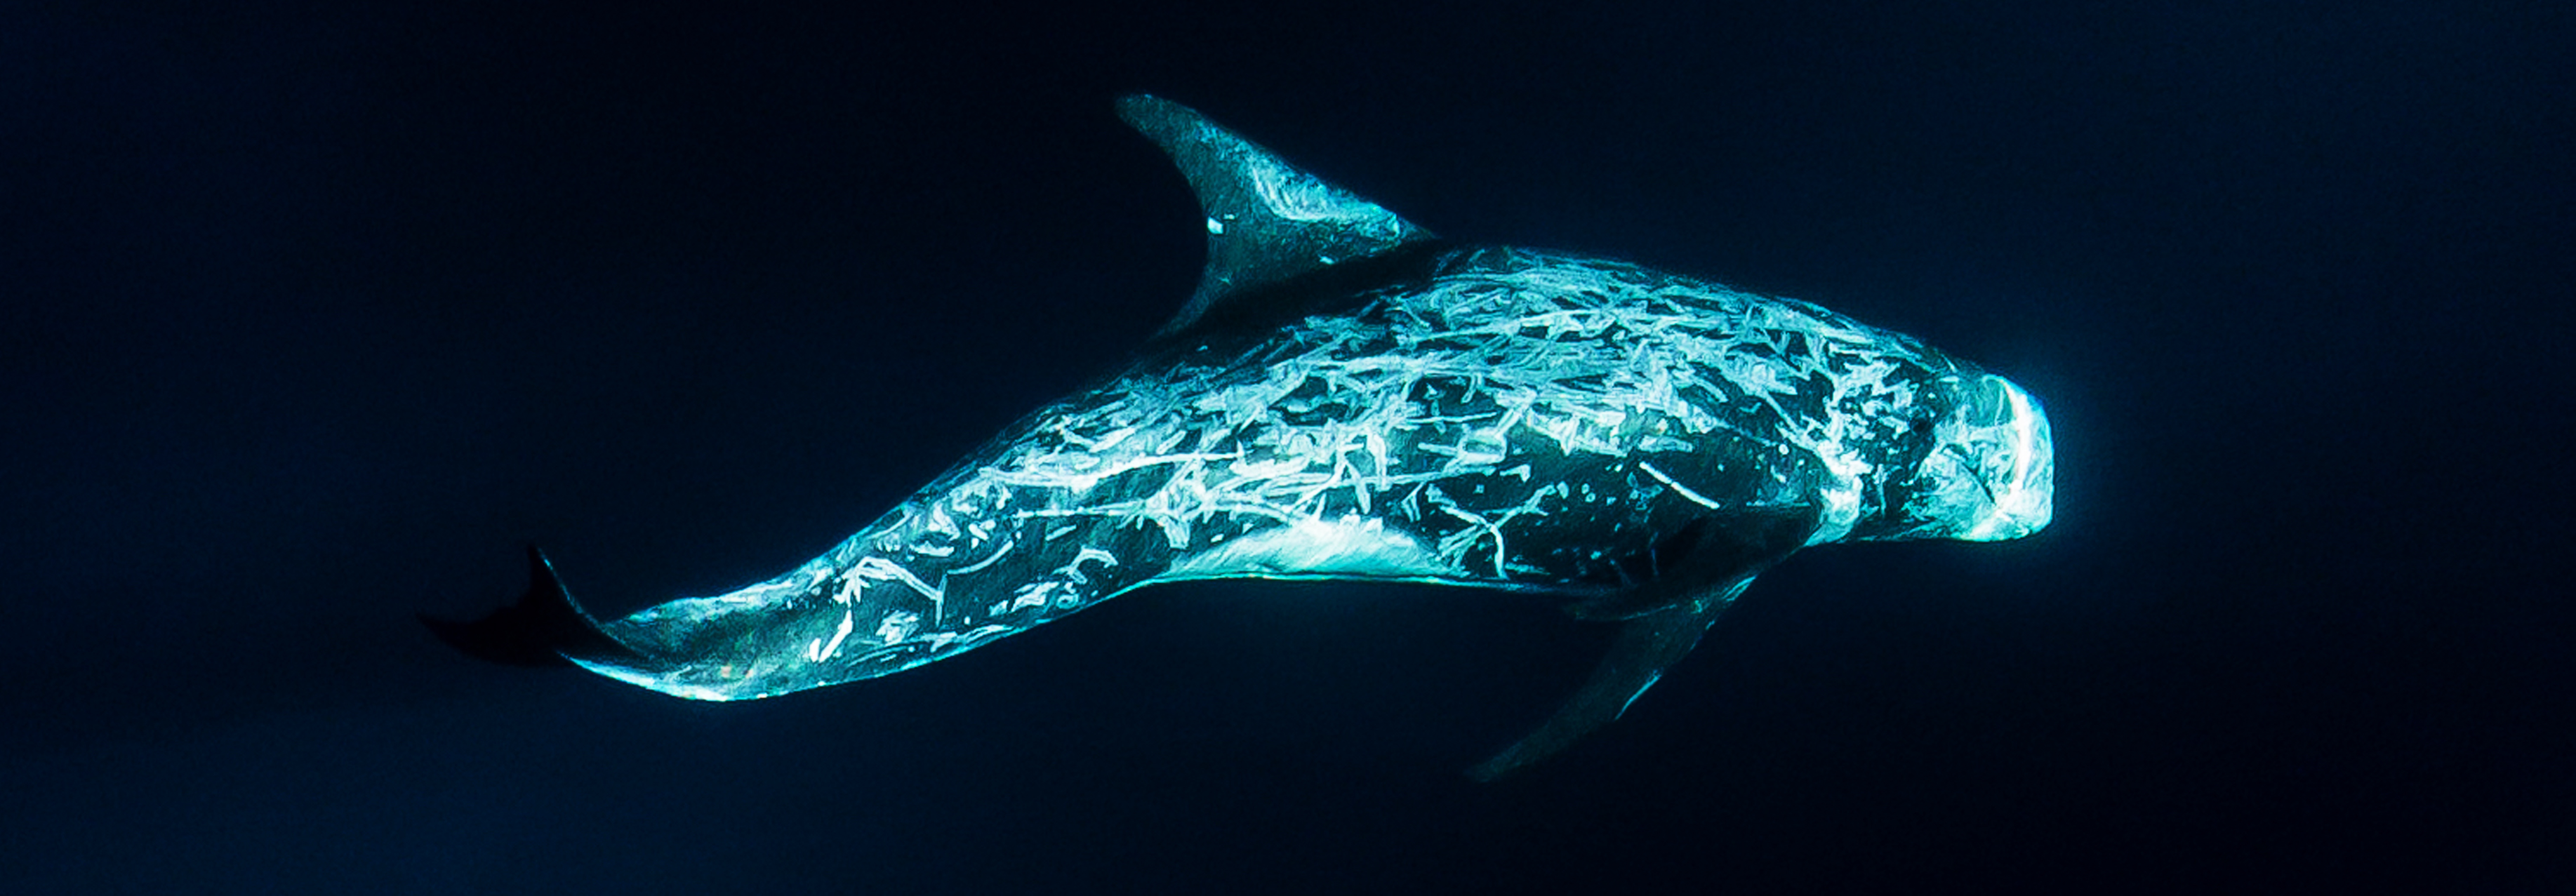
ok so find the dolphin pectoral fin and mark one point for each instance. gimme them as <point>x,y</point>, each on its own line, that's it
<point>1647,645</point>
<point>1678,568</point>
<point>545,628</point>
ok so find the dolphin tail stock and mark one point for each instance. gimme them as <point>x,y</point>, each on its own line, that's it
<point>1647,645</point>
<point>545,628</point>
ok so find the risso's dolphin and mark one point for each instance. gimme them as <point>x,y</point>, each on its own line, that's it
<point>1348,397</point>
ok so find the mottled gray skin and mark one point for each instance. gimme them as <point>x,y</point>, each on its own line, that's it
<point>1350,398</point>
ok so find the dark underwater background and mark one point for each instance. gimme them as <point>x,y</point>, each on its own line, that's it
<point>312,315</point>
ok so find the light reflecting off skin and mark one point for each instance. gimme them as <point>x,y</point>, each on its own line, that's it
<point>1349,398</point>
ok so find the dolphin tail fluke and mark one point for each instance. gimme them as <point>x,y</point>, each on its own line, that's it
<point>545,628</point>
<point>1647,645</point>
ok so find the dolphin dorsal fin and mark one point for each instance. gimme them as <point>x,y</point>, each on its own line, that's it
<point>1268,223</point>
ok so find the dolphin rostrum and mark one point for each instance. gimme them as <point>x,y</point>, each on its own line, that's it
<point>1349,397</point>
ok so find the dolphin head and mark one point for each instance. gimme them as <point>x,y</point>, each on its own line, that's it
<point>1986,468</point>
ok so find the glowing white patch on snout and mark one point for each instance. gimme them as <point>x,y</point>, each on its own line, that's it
<point>2025,496</point>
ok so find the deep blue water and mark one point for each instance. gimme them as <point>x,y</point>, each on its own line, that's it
<point>311,317</point>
